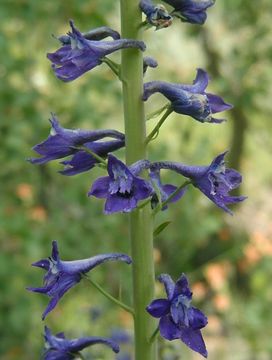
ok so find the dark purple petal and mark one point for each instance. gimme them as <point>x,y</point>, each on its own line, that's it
<point>217,104</point>
<point>55,251</point>
<point>182,288</point>
<point>168,283</point>
<point>100,188</point>
<point>41,290</point>
<point>158,308</point>
<point>168,329</point>
<point>142,189</point>
<point>116,203</point>
<point>193,339</point>
<point>192,11</point>
<point>79,344</point>
<point>199,84</point>
<point>44,264</point>
<point>179,311</point>
<point>197,320</point>
<point>83,161</point>
<point>64,283</point>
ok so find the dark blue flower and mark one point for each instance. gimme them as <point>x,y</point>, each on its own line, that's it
<point>122,189</point>
<point>62,275</point>
<point>163,191</point>
<point>80,55</point>
<point>82,161</point>
<point>192,11</point>
<point>190,100</point>
<point>57,347</point>
<point>63,142</point>
<point>178,319</point>
<point>156,15</point>
<point>214,180</point>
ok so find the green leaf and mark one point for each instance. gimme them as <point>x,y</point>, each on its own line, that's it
<point>161,227</point>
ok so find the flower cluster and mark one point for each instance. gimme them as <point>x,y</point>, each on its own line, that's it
<point>128,187</point>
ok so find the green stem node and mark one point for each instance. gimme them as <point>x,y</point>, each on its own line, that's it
<point>97,157</point>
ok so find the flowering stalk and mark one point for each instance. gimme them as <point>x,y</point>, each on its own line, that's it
<point>141,225</point>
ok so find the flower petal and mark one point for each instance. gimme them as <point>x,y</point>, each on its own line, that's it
<point>158,308</point>
<point>168,283</point>
<point>182,288</point>
<point>197,319</point>
<point>100,188</point>
<point>116,203</point>
<point>168,329</point>
<point>217,104</point>
<point>79,344</point>
<point>193,339</point>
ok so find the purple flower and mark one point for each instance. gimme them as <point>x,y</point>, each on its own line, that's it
<point>163,191</point>
<point>156,15</point>
<point>178,319</point>
<point>190,100</point>
<point>82,161</point>
<point>214,180</point>
<point>122,189</point>
<point>62,275</point>
<point>80,55</point>
<point>57,347</point>
<point>63,142</point>
<point>192,11</point>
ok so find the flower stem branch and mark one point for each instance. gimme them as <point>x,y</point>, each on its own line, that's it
<point>166,202</point>
<point>154,335</point>
<point>157,112</point>
<point>113,66</point>
<point>154,133</point>
<point>97,157</point>
<point>109,296</point>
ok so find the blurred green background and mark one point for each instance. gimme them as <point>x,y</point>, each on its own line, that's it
<point>227,259</point>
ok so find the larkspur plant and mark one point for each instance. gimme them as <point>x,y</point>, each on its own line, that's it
<point>134,187</point>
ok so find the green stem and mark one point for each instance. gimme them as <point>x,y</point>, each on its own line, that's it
<point>89,151</point>
<point>140,220</point>
<point>166,202</point>
<point>154,335</point>
<point>157,112</point>
<point>109,296</point>
<point>154,133</point>
<point>112,65</point>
